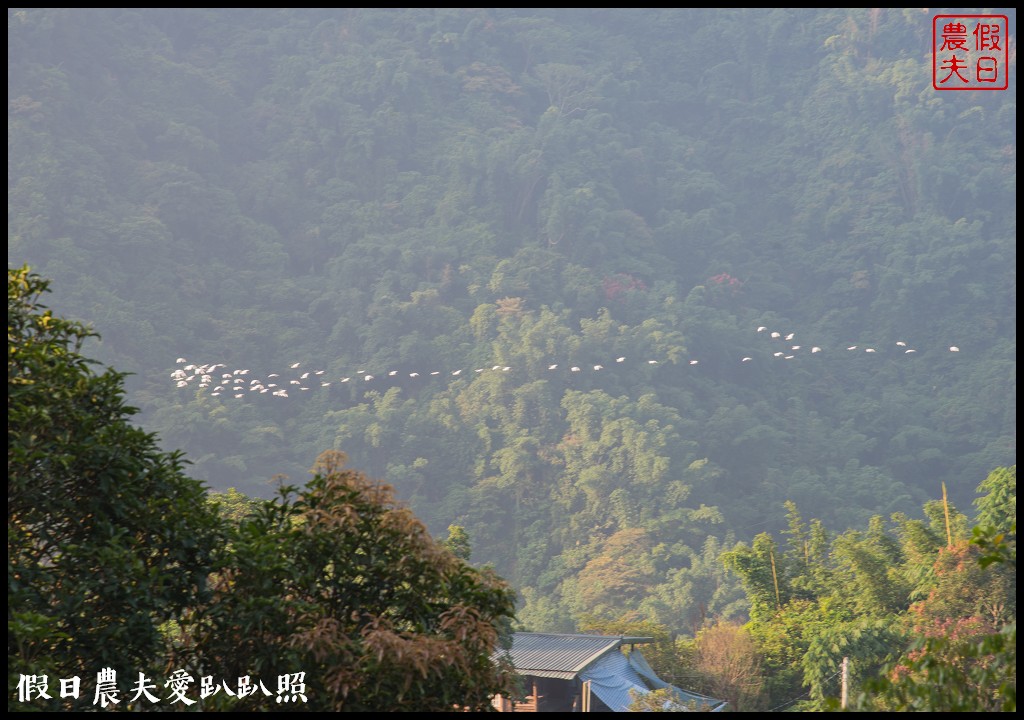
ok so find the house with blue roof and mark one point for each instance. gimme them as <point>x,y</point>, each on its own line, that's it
<point>586,673</point>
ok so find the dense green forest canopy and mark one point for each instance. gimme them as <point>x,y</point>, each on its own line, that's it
<point>424,190</point>
<point>117,560</point>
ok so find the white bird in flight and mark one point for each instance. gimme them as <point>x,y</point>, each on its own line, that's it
<point>232,381</point>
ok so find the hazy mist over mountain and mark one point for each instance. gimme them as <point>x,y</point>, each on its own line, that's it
<point>600,286</point>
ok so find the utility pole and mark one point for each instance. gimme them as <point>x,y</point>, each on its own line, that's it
<point>845,692</point>
<point>945,507</point>
<point>775,579</point>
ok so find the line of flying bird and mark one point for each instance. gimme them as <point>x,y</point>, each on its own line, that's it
<point>237,383</point>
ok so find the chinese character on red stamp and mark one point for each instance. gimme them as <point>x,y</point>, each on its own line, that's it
<point>970,52</point>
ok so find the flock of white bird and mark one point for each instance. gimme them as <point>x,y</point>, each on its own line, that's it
<point>216,379</point>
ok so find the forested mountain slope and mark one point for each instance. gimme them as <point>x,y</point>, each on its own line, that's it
<point>414,191</point>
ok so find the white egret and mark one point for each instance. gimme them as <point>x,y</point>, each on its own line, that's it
<point>180,360</point>
<point>746,359</point>
<point>869,350</point>
<point>852,347</point>
<point>392,373</point>
<point>900,343</point>
<point>620,359</point>
<point>815,349</point>
<point>778,354</point>
<point>414,374</point>
<point>909,351</point>
<point>776,334</point>
<point>762,328</point>
<point>295,365</point>
<point>954,348</point>
<point>694,362</point>
<point>652,362</point>
<point>599,367</point>
<point>553,367</point>
<point>456,372</point>
<point>790,336</point>
<point>574,368</point>
<point>368,378</point>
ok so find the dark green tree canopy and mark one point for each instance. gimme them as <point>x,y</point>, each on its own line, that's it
<point>107,538</point>
<point>343,583</point>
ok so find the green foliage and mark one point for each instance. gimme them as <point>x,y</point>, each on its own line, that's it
<point>343,583</point>
<point>107,538</point>
<point>952,670</point>
<point>663,700</point>
<point>535,186</point>
<point>458,543</point>
<point>954,605</point>
<point>232,505</point>
<point>997,499</point>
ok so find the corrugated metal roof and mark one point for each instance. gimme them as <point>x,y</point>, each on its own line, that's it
<point>563,656</point>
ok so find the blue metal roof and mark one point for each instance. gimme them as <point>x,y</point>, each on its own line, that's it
<point>596,658</point>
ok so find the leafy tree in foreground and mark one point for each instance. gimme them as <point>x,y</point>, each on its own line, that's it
<point>956,670</point>
<point>107,539</point>
<point>341,583</point>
